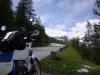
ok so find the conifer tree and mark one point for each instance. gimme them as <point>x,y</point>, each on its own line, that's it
<point>97,9</point>
<point>23,14</point>
<point>6,15</point>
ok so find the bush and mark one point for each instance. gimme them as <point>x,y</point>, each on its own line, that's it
<point>95,71</point>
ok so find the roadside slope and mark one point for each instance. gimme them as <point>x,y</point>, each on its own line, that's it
<point>70,62</point>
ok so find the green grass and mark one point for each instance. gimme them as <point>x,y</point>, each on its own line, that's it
<point>69,63</point>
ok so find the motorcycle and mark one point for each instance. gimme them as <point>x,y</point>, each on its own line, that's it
<point>15,61</point>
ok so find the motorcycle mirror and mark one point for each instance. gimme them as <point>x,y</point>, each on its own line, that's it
<point>3,28</point>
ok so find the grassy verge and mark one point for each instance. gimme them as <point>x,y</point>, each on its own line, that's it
<point>68,64</point>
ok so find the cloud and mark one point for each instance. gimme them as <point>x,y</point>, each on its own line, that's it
<point>42,2</point>
<point>46,17</point>
<point>80,28</point>
<point>77,31</point>
<point>55,32</point>
<point>83,6</point>
<point>62,4</point>
<point>75,6</point>
<point>92,21</point>
<point>60,26</point>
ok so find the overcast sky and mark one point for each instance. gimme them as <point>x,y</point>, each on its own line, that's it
<point>64,17</point>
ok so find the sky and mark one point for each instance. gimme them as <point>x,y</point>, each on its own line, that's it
<point>64,17</point>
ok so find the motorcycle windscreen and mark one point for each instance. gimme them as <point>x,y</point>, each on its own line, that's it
<point>6,56</point>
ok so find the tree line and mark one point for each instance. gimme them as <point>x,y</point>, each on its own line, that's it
<point>23,16</point>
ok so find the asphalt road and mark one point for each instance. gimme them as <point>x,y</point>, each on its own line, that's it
<point>42,52</point>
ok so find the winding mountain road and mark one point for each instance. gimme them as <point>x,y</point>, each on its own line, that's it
<point>43,52</point>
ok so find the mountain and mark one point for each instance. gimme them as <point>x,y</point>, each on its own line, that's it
<point>63,38</point>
